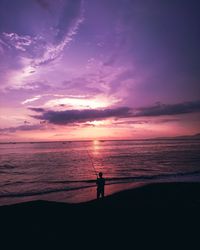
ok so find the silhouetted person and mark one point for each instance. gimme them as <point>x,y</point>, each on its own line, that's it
<point>100,185</point>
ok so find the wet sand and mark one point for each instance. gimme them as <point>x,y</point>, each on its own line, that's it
<point>153,215</point>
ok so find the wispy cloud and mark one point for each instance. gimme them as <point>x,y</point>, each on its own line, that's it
<point>38,48</point>
<point>17,41</point>
<point>146,121</point>
<point>65,33</point>
<point>31,99</point>
<point>32,50</point>
<point>21,128</point>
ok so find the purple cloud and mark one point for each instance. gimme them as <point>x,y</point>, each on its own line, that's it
<point>140,52</point>
<point>81,116</point>
<point>170,109</point>
<point>37,109</point>
<point>21,128</point>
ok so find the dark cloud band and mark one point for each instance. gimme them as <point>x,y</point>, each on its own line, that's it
<point>170,109</point>
<point>81,116</point>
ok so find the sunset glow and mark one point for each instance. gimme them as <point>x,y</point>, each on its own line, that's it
<point>81,103</point>
<point>78,70</point>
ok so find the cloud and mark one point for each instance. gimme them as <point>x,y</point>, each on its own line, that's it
<point>31,99</point>
<point>79,116</point>
<point>40,42</point>
<point>72,16</point>
<point>97,102</point>
<point>37,109</point>
<point>82,85</point>
<point>66,30</point>
<point>149,121</point>
<point>165,121</point>
<point>169,109</point>
<point>125,122</point>
<point>17,41</point>
<point>119,81</point>
<point>21,128</point>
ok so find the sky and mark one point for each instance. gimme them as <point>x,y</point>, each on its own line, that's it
<point>99,69</point>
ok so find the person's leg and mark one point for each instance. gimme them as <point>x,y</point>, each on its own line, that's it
<point>102,193</point>
<point>98,193</point>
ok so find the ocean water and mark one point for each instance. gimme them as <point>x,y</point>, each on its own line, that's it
<point>66,171</point>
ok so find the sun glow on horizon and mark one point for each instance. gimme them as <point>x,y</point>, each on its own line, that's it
<point>66,73</point>
<point>100,101</point>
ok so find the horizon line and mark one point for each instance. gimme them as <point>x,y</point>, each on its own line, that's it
<point>102,140</point>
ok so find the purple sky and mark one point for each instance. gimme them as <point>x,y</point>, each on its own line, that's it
<point>99,69</point>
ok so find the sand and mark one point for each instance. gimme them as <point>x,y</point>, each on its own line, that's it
<point>153,215</point>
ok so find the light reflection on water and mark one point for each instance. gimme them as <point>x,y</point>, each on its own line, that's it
<point>36,168</point>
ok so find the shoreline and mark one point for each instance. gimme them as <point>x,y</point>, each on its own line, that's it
<point>71,196</point>
<point>126,216</point>
<point>88,193</point>
<point>137,192</point>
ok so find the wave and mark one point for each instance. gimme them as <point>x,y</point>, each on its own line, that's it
<point>92,183</point>
<point>144,177</point>
<point>7,166</point>
<point>152,177</point>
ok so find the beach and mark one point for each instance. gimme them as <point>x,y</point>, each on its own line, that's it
<point>48,194</point>
<point>161,212</point>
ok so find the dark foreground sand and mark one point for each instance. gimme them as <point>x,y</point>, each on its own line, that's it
<point>156,215</point>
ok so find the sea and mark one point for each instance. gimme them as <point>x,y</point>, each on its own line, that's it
<point>66,171</point>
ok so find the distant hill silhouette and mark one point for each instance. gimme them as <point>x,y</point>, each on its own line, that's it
<point>195,136</point>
